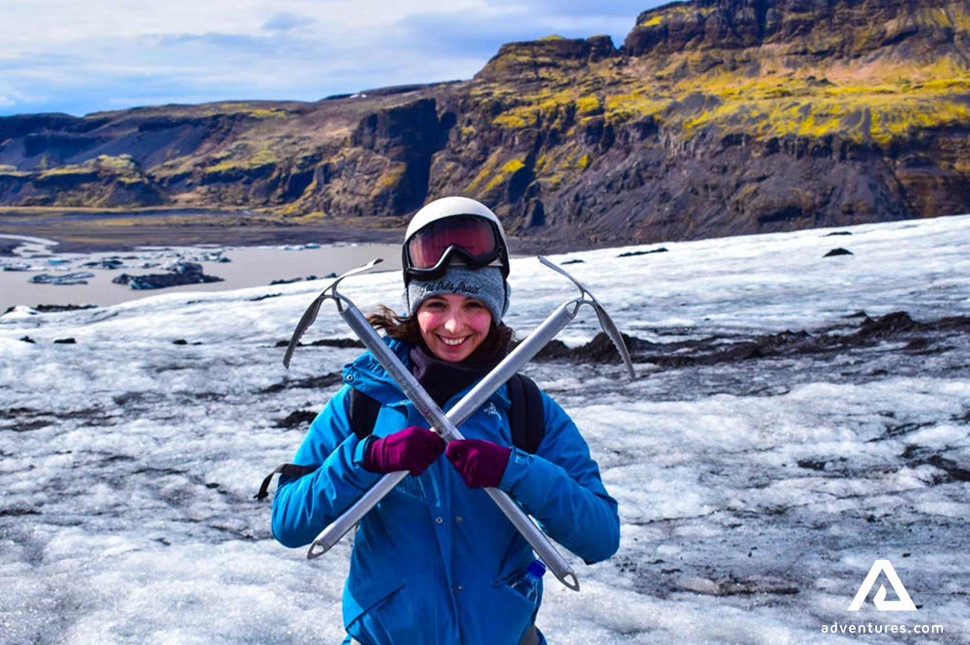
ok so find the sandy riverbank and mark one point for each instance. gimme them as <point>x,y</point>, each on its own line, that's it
<point>84,231</point>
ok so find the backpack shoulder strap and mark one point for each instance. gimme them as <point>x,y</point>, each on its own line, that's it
<point>526,417</point>
<point>362,415</point>
<point>291,470</point>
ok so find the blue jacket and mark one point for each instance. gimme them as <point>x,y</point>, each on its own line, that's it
<point>434,561</point>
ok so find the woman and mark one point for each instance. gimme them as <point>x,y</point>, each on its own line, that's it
<point>436,561</point>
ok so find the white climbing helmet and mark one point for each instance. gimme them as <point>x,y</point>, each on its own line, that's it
<point>453,229</point>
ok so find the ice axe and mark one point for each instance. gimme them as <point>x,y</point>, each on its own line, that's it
<point>310,315</point>
<point>606,323</point>
<point>446,425</point>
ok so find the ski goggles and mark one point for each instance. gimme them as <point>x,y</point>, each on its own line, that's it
<point>475,240</point>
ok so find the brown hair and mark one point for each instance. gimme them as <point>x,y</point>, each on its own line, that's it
<point>406,328</point>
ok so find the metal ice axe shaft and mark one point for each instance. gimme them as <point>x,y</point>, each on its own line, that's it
<point>446,424</point>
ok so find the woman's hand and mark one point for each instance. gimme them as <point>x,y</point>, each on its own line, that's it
<point>412,449</point>
<point>480,463</point>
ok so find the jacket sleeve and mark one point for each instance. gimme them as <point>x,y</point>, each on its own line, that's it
<point>304,506</point>
<point>560,486</point>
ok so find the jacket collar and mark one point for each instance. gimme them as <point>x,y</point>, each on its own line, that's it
<point>366,374</point>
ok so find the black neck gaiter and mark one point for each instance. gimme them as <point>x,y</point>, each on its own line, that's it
<point>442,379</point>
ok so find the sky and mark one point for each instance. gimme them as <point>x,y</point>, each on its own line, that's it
<point>78,58</point>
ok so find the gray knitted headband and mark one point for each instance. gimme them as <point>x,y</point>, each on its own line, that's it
<point>485,284</point>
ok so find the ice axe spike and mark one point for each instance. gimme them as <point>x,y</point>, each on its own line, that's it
<point>606,323</point>
<point>310,315</point>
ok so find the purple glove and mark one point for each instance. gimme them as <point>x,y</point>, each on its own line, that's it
<point>412,449</point>
<point>480,463</point>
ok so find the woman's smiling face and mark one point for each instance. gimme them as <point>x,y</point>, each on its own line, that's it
<point>453,326</point>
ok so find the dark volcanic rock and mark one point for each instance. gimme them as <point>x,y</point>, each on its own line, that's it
<point>64,279</point>
<point>633,254</point>
<point>297,419</point>
<point>311,383</point>
<point>340,343</point>
<point>180,274</point>
<point>385,167</point>
<point>810,28</point>
<point>58,308</point>
<point>535,60</point>
<point>888,326</point>
<point>871,332</point>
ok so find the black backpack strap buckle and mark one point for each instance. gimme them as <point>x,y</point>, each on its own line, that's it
<point>292,470</point>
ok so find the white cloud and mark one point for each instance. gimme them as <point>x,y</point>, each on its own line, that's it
<point>286,21</point>
<point>82,57</point>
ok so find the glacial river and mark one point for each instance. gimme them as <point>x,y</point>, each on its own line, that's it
<point>239,267</point>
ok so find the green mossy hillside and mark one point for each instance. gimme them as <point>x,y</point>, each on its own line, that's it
<point>714,117</point>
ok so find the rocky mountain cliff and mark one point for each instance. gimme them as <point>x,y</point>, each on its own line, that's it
<point>714,117</point>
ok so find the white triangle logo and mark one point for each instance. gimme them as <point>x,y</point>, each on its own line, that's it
<point>905,603</point>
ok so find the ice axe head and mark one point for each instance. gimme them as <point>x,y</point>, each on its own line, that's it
<point>310,315</point>
<point>606,323</point>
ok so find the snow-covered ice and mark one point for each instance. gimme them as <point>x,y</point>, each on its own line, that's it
<point>756,489</point>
